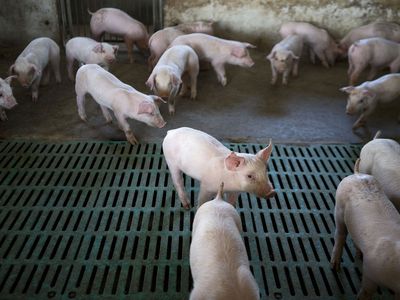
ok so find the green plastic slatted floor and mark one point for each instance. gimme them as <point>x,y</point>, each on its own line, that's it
<point>100,220</point>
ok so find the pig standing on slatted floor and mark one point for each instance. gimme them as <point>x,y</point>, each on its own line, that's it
<point>7,100</point>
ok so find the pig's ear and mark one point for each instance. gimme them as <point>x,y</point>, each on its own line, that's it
<point>176,81</point>
<point>158,100</point>
<point>9,79</point>
<point>11,71</point>
<point>248,45</point>
<point>271,55</point>
<point>347,89</point>
<point>115,48</point>
<point>233,162</point>
<point>34,70</point>
<point>145,107</point>
<point>150,82</point>
<point>368,93</point>
<point>265,153</point>
<point>294,56</point>
<point>98,48</point>
<point>238,52</point>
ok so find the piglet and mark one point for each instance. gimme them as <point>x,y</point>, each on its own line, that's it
<point>160,40</point>
<point>217,51</point>
<point>32,66</point>
<point>112,94</point>
<point>117,22</point>
<point>202,157</point>
<point>7,100</point>
<point>218,258</point>
<point>166,78</point>
<point>88,51</point>
<point>363,210</point>
<point>284,58</point>
<point>317,39</point>
<point>364,98</point>
<point>386,30</point>
<point>376,53</point>
<point>381,159</point>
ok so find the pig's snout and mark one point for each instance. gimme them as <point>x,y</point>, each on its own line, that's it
<point>250,63</point>
<point>11,102</point>
<point>350,111</point>
<point>161,124</point>
<point>271,194</point>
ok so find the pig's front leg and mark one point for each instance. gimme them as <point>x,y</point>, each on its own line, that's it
<point>220,71</point>
<point>295,71</point>
<point>106,114</point>
<point>312,56</point>
<point>321,55</point>
<point>35,88</point>
<point>171,105</point>
<point>204,195</point>
<point>368,287</point>
<point>285,77</point>
<point>3,115</point>
<point>232,198</point>
<point>274,74</point>
<point>55,66</point>
<point>123,123</point>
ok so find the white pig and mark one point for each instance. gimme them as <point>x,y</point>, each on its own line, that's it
<point>363,210</point>
<point>204,158</point>
<point>365,97</point>
<point>284,58</point>
<point>32,66</point>
<point>166,78</point>
<point>377,53</point>
<point>317,39</point>
<point>7,100</point>
<point>112,94</point>
<point>217,51</point>
<point>160,40</point>
<point>381,159</point>
<point>88,51</point>
<point>117,22</point>
<point>218,257</point>
<point>386,30</point>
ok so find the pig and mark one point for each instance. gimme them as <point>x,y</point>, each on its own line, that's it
<point>284,58</point>
<point>317,39</point>
<point>365,97</point>
<point>166,78</point>
<point>363,210</point>
<point>377,53</point>
<point>381,159</point>
<point>88,51</point>
<point>32,66</point>
<point>117,22</point>
<point>161,39</point>
<point>386,30</point>
<point>218,258</point>
<point>7,100</point>
<point>204,158</point>
<point>217,51</point>
<point>112,94</point>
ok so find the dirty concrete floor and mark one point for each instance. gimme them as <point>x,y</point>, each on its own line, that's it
<point>248,109</point>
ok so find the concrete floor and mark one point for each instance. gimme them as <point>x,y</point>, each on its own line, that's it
<point>248,109</point>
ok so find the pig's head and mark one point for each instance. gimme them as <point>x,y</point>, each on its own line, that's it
<point>240,55</point>
<point>282,60</point>
<point>25,71</point>
<point>359,100</point>
<point>149,113</point>
<point>250,171</point>
<point>165,83</point>
<point>7,99</point>
<point>105,52</point>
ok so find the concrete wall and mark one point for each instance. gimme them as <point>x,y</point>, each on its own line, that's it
<point>23,20</point>
<point>258,21</point>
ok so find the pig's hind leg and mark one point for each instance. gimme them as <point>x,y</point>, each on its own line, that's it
<point>177,179</point>
<point>106,114</point>
<point>340,238</point>
<point>80,101</point>
<point>220,71</point>
<point>55,65</point>
<point>368,287</point>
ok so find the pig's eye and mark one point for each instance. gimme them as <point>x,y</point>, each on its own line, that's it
<point>250,176</point>
<point>1,94</point>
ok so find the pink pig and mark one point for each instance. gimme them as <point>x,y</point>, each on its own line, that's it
<point>117,22</point>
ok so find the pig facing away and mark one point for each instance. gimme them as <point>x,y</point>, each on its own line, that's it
<point>284,58</point>
<point>160,40</point>
<point>7,100</point>
<point>377,53</point>
<point>112,94</point>
<point>218,257</point>
<point>365,97</point>
<point>32,66</point>
<point>363,210</point>
<point>386,30</point>
<point>217,51</point>
<point>117,22</point>
<point>167,76</point>
<point>381,159</point>
<point>317,39</point>
<point>204,158</point>
<point>88,51</point>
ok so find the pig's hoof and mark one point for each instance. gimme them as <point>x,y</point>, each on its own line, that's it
<point>186,206</point>
<point>335,265</point>
<point>131,139</point>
